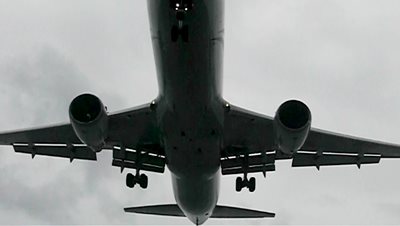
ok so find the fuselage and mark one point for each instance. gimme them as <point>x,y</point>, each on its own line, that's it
<point>190,106</point>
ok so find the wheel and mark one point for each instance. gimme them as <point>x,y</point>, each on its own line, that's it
<point>130,180</point>
<point>174,33</point>
<point>185,33</point>
<point>143,181</point>
<point>252,184</point>
<point>239,184</point>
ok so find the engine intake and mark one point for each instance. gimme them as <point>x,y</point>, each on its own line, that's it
<point>89,119</point>
<point>292,123</point>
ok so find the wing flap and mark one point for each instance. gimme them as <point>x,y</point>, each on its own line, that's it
<point>62,151</point>
<point>133,156</point>
<point>249,164</point>
<point>313,159</point>
<point>133,165</point>
<point>269,158</point>
<point>250,169</point>
<point>134,159</point>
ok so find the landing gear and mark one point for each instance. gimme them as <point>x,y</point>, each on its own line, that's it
<point>181,5</point>
<point>183,32</point>
<point>181,9</point>
<point>252,184</point>
<point>140,179</point>
<point>244,182</point>
<point>241,183</point>
<point>143,181</point>
<point>130,180</point>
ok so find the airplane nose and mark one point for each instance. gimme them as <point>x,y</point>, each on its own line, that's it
<point>198,220</point>
<point>197,197</point>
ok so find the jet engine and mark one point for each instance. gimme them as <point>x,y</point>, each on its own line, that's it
<point>89,119</point>
<point>292,123</point>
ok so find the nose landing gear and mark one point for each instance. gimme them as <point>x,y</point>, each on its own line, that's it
<point>181,5</point>
<point>181,9</point>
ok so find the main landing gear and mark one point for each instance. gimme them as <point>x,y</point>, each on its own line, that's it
<point>141,179</point>
<point>244,182</point>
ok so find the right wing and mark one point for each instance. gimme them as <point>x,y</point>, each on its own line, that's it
<point>133,136</point>
<point>344,144</point>
<point>249,146</point>
<point>324,148</point>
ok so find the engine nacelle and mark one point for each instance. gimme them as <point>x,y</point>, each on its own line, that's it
<point>292,123</point>
<point>89,119</point>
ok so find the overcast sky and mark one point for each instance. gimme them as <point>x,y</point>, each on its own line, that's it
<point>339,57</point>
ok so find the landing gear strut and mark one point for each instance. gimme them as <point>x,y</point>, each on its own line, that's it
<point>132,180</point>
<point>141,179</point>
<point>244,182</point>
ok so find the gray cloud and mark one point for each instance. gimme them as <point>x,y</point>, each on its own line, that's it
<point>341,57</point>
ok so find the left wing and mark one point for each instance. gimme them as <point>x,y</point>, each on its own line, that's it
<point>55,141</point>
<point>249,146</point>
<point>133,135</point>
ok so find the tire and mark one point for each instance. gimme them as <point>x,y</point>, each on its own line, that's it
<point>239,184</point>
<point>130,180</point>
<point>144,181</point>
<point>252,184</point>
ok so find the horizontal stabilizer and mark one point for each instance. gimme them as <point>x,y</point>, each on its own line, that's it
<point>219,211</point>
<point>235,212</point>
<point>163,210</point>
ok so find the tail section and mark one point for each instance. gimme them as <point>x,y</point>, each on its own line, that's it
<point>219,211</point>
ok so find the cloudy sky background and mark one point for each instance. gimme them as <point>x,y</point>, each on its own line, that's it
<point>340,57</point>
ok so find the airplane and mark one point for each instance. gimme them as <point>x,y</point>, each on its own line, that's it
<point>190,128</point>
